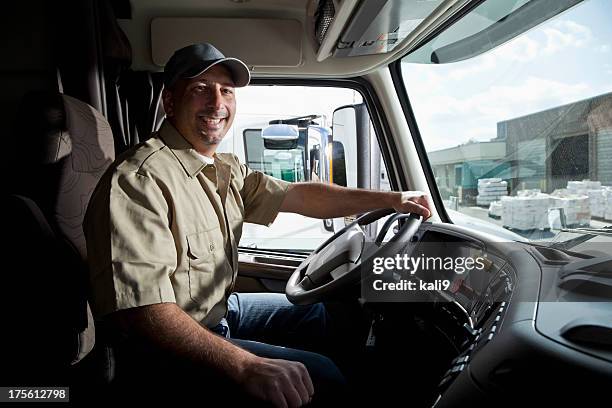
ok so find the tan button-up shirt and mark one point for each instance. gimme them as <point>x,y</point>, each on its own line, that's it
<point>162,227</point>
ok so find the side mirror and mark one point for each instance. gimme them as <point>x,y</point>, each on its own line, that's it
<point>351,127</point>
<point>337,170</point>
<point>280,137</point>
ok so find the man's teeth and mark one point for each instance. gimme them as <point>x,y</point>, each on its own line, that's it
<point>212,121</point>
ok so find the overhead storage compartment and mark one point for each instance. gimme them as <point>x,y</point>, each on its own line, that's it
<point>257,42</point>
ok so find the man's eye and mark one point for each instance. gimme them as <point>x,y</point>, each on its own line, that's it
<point>228,91</point>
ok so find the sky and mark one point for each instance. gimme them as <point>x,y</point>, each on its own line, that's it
<point>291,101</point>
<point>560,61</point>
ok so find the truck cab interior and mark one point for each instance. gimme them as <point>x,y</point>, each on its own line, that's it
<point>82,83</point>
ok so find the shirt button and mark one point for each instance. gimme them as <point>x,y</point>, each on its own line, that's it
<point>212,246</point>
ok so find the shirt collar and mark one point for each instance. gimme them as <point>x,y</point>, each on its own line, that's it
<point>182,149</point>
<point>205,159</point>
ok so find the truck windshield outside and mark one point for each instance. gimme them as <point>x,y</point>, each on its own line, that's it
<point>520,136</point>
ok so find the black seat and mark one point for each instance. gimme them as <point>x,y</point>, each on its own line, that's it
<point>61,147</point>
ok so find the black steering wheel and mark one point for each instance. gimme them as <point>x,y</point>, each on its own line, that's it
<point>336,264</point>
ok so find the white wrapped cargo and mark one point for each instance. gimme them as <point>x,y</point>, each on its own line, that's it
<point>528,193</point>
<point>495,209</point>
<point>529,210</point>
<point>575,207</point>
<point>489,180</point>
<point>490,190</point>
<point>591,189</point>
<point>597,202</point>
<point>582,187</point>
<point>608,209</point>
<point>484,201</point>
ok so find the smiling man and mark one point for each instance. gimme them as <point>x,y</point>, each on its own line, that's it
<point>162,229</point>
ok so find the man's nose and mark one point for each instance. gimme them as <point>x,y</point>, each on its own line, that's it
<point>215,99</point>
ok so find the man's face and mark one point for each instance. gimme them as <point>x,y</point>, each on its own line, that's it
<point>202,108</point>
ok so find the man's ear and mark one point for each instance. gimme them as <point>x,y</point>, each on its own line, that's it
<point>168,102</point>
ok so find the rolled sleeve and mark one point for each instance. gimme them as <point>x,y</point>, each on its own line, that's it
<point>131,249</point>
<point>262,195</point>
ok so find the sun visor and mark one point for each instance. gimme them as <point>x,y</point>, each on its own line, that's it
<point>257,42</point>
<point>378,26</point>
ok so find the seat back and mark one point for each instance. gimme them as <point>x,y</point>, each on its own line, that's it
<point>92,152</point>
<point>63,148</point>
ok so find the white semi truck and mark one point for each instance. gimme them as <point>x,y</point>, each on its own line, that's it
<point>297,149</point>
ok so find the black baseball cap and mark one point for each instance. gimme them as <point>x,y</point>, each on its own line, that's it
<point>191,61</point>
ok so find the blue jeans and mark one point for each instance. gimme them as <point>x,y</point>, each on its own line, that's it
<point>268,325</point>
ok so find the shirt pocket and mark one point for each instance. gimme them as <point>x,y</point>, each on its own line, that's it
<point>205,252</point>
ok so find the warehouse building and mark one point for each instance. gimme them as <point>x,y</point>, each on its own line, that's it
<point>552,147</point>
<point>543,150</point>
<point>457,169</point>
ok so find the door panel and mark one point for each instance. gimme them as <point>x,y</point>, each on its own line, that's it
<point>265,271</point>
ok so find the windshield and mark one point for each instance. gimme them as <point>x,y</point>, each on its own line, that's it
<point>520,137</point>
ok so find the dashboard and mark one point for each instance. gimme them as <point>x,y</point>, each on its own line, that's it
<point>535,323</point>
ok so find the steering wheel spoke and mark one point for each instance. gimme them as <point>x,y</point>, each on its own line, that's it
<point>337,263</point>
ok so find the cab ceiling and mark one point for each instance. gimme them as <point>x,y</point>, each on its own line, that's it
<point>152,45</point>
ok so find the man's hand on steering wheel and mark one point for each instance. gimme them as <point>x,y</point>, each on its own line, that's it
<point>414,202</point>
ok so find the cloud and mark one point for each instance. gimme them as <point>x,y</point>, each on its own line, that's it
<point>565,33</point>
<point>533,93</point>
<point>605,48</point>
<point>522,49</point>
<point>448,121</point>
<point>487,63</point>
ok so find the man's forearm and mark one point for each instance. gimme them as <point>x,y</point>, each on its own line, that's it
<point>171,329</point>
<point>321,200</point>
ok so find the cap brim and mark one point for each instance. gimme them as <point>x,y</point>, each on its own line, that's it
<point>239,71</point>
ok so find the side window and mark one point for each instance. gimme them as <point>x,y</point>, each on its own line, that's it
<point>321,151</point>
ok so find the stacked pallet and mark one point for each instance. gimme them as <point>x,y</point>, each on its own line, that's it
<point>581,187</point>
<point>579,201</point>
<point>597,202</point>
<point>593,190</point>
<point>527,211</point>
<point>495,210</point>
<point>608,208</point>
<point>491,189</point>
<point>575,207</point>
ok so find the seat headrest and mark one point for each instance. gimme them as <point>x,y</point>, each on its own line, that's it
<point>64,147</point>
<point>43,120</point>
